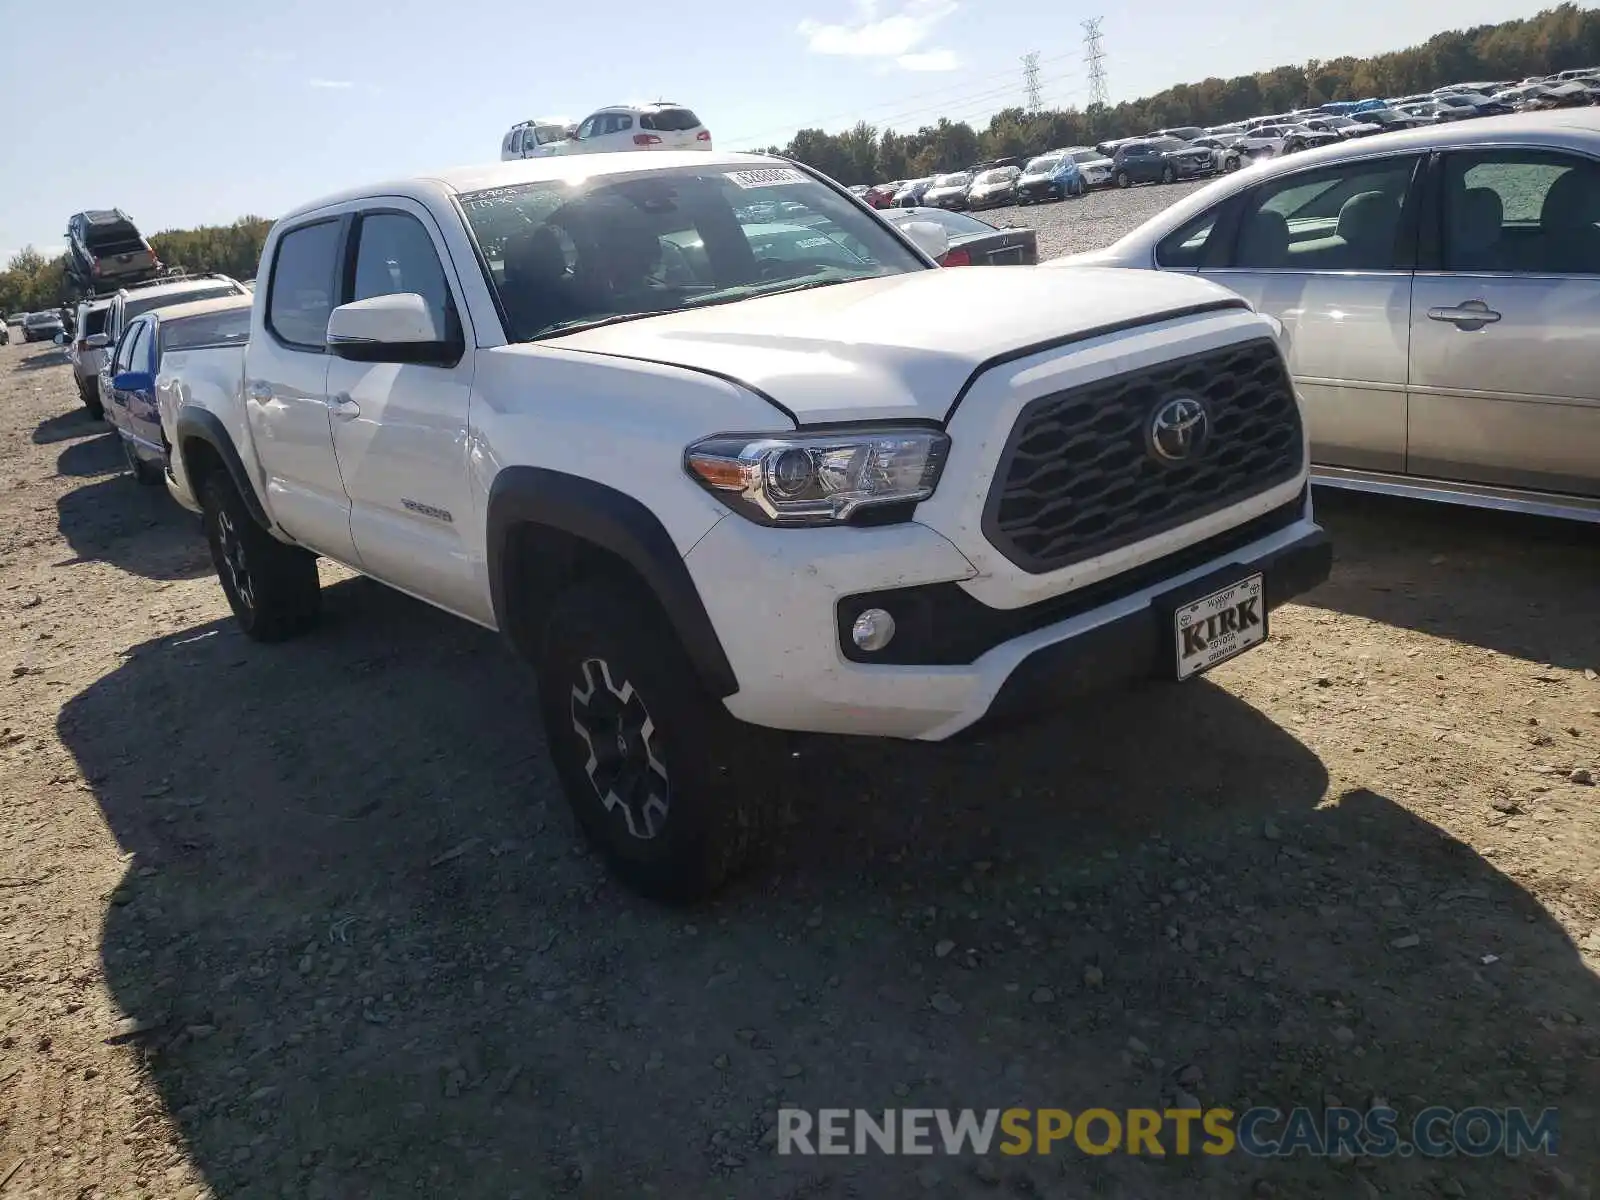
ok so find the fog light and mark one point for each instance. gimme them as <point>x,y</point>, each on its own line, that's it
<point>872,630</point>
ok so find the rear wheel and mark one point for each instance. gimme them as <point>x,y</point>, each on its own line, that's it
<point>147,473</point>
<point>648,760</point>
<point>1168,174</point>
<point>89,393</point>
<point>272,587</point>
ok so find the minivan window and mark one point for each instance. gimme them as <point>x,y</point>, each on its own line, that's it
<point>300,290</point>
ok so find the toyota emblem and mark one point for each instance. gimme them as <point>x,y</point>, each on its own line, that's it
<point>1178,430</point>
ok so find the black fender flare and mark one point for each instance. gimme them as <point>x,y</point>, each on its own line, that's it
<point>199,425</point>
<point>619,524</point>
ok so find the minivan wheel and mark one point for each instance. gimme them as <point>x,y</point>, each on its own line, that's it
<point>271,587</point>
<point>648,759</point>
<point>1167,174</point>
<point>1123,180</point>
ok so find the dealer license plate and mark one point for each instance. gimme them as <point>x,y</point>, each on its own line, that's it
<point>1216,627</point>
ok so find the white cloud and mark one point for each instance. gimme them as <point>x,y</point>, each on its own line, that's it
<point>930,60</point>
<point>899,35</point>
<point>339,85</point>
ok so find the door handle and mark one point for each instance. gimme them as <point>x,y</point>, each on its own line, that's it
<point>260,392</point>
<point>343,406</point>
<point>1469,314</point>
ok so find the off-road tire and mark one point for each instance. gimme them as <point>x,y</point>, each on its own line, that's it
<point>272,587</point>
<point>673,750</point>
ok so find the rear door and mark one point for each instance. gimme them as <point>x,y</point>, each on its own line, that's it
<point>400,428</point>
<point>1329,252</point>
<point>1505,364</point>
<point>286,389</point>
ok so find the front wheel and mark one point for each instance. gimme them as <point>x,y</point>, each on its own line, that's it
<point>1167,174</point>
<point>1124,180</point>
<point>271,587</point>
<point>648,760</point>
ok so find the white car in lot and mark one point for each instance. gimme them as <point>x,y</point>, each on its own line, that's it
<point>1440,289</point>
<point>804,479</point>
<point>533,139</point>
<point>626,127</point>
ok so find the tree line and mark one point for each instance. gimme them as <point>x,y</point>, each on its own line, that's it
<point>32,282</point>
<point>1558,39</point>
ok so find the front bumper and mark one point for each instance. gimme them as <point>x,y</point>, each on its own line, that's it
<point>781,601</point>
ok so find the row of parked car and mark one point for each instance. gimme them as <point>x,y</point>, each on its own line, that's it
<point>1190,151</point>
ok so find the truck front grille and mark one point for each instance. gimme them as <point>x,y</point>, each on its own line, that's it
<point>1078,476</point>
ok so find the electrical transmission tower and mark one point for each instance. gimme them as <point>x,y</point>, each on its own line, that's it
<point>1094,53</point>
<point>1030,80</point>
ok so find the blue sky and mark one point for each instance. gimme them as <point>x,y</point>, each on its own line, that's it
<point>182,112</point>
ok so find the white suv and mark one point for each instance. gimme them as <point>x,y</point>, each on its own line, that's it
<point>707,479</point>
<point>533,139</point>
<point>661,126</point>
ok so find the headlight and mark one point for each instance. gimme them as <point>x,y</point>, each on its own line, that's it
<point>820,477</point>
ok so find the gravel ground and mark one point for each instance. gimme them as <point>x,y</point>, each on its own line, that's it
<point>310,920</point>
<point>1092,221</point>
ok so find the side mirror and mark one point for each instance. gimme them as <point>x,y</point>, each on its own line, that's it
<point>929,237</point>
<point>134,381</point>
<point>97,341</point>
<point>394,328</point>
<point>61,339</point>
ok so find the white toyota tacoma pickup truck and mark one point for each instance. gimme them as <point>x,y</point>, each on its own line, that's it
<point>714,447</point>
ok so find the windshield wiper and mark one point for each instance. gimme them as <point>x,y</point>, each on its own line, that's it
<point>579,324</point>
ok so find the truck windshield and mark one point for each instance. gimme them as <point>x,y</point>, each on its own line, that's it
<point>568,255</point>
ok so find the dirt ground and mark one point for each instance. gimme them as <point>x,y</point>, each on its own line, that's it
<point>311,920</point>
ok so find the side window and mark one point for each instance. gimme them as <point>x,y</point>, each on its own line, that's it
<point>1342,219</point>
<point>395,254</point>
<point>301,286</point>
<point>587,129</point>
<point>623,123</point>
<point>1186,245</point>
<point>126,347</point>
<point>1521,210</point>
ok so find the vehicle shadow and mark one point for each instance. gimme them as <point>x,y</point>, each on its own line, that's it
<point>64,426</point>
<point>91,456</point>
<point>1443,570</point>
<point>40,359</point>
<point>368,952</point>
<point>115,520</point>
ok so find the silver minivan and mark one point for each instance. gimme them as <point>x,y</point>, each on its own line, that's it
<point>1441,290</point>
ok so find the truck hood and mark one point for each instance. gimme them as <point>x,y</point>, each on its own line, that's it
<point>898,347</point>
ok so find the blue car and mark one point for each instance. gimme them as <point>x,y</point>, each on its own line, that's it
<point>152,343</point>
<point>1052,176</point>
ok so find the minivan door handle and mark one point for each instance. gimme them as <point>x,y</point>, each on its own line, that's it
<point>1466,316</point>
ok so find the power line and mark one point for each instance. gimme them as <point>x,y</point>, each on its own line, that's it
<point>864,113</point>
<point>1094,53</point>
<point>1030,79</point>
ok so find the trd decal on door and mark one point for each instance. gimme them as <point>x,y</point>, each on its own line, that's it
<point>428,510</point>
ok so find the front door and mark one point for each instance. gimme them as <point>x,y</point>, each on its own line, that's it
<point>1505,365</point>
<point>400,429</point>
<point>1327,252</point>
<point>286,393</point>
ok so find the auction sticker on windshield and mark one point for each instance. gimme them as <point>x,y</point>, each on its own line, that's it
<point>766,177</point>
<point>1219,626</point>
